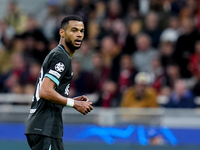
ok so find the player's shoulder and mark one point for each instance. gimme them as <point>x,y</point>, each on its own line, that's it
<point>58,57</point>
<point>58,53</point>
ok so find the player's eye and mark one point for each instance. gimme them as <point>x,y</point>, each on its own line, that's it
<point>74,30</point>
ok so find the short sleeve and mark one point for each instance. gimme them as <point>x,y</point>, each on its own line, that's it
<point>58,65</point>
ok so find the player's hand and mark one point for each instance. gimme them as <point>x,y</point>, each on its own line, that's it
<point>83,106</point>
<point>81,98</point>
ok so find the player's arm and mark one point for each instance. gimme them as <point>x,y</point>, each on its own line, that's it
<point>47,92</point>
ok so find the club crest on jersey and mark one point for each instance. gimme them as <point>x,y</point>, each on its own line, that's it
<point>60,67</point>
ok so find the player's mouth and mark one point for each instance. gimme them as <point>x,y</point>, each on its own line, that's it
<point>78,42</point>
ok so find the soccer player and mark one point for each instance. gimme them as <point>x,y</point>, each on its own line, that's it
<point>44,127</point>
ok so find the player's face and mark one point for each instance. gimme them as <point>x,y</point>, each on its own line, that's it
<point>74,34</point>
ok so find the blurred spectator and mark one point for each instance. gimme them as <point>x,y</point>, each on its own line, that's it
<point>107,97</point>
<point>114,10</point>
<point>48,18</point>
<point>95,20</point>
<point>116,29</point>
<point>172,74</point>
<point>5,60</point>
<point>141,95</point>
<point>112,55</point>
<point>33,72</point>
<point>82,82</point>
<point>69,7</point>
<point>134,28</point>
<point>197,16</point>
<point>100,71</point>
<point>163,95</point>
<point>142,58</point>
<point>1,82</point>
<point>18,43</point>
<point>8,47</point>
<point>16,88</point>
<point>15,17</point>
<point>166,49</point>
<point>156,5</point>
<point>100,11</point>
<point>194,67</point>
<point>126,75</point>
<point>190,9</point>
<point>85,54</point>
<point>176,6</point>
<point>105,89</point>
<point>119,32</point>
<point>195,90</point>
<point>181,96</point>
<point>194,64</point>
<point>173,32</point>
<point>29,89</point>
<point>152,28</point>
<point>162,8</point>
<point>109,50</point>
<point>37,49</point>
<point>111,20</point>
<point>85,9</point>
<point>131,10</point>
<point>111,47</point>
<point>125,6</point>
<point>7,33</point>
<point>157,74</point>
<point>52,43</point>
<point>55,32</point>
<point>14,76</point>
<point>41,50</point>
<point>93,32</point>
<point>29,48</point>
<point>185,46</point>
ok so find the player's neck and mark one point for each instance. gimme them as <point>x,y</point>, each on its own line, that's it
<point>66,48</point>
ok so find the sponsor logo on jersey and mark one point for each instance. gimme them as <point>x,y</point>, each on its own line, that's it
<point>60,67</point>
<point>37,129</point>
<point>55,73</point>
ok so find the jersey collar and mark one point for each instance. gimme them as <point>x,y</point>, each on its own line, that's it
<point>62,47</point>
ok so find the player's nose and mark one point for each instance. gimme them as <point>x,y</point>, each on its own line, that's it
<point>80,34</point>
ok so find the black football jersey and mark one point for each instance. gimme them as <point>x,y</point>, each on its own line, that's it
<point>45,118</point>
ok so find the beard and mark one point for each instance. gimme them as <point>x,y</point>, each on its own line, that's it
<point>71,46</point>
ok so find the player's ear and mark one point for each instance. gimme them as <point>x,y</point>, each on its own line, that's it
<point>62,33</point>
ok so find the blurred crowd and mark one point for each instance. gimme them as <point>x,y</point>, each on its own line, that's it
<point>136,53</point>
